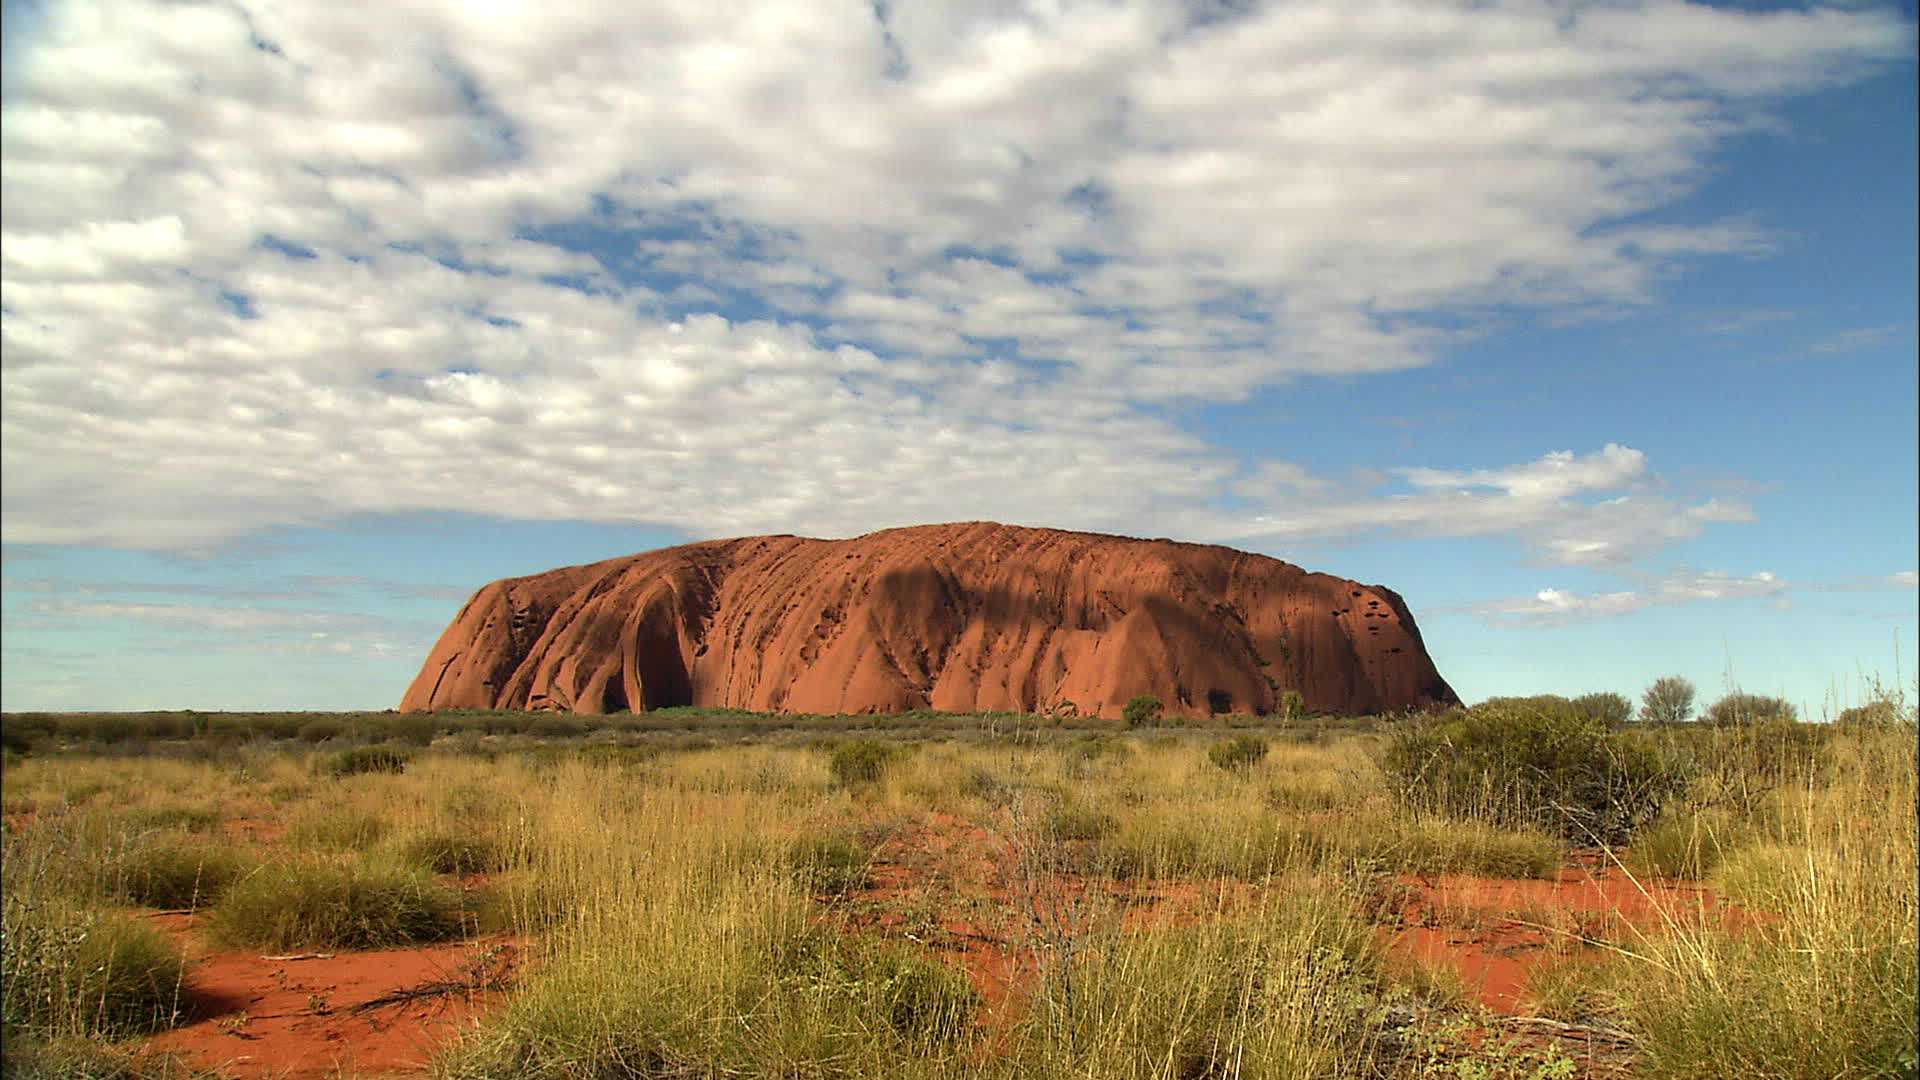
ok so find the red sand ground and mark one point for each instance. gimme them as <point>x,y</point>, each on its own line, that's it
<point>311,1016</point>
<point>1496,931</point>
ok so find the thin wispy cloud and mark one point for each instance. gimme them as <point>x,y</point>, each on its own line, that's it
<point>1603,508</point>
<point>1552,606</point>
<point>830,268</point>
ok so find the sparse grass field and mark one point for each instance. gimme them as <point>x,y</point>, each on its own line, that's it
<point>716,894</point>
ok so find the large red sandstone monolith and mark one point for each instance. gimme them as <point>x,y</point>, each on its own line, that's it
<point>962,617</point>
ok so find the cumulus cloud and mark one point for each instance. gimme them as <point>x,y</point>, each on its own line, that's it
<point>830,267</point>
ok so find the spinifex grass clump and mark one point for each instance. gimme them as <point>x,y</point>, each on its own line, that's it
<point>862,761</point>
<point>352,905</point>
<point>367,759</point>
<point>170,870</point>
<point>340,828</point>
<point>1238,754</point>
<point>834,864</point>
<point>684,951</point>
<point>451,851</point>
<point>75,971</point>
<point>1538,763</point>
<point>69,970</point>
<point>1285,991</point>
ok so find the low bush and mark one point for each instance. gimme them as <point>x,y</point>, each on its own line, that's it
<point>187,818</point>
<point>295,905</point>
<point>1079,821</point>
<point>862,761</point>
<point>315,731</point>
<point>1881,712</point>
<point>1607,707</point>
<point>449,852</point>
<point>1143,710</point>
<point>1435,846</point>
<point>1740,708</point>
<point>834,864</point>
<point>1238,754</point>
<point>367,759</point>
<point>1536,764</point>
<point>558,726</point>
<point>920,998</point>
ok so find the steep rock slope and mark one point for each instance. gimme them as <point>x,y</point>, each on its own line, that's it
<point>971,616</point>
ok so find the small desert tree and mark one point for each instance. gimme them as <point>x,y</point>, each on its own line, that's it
<point>1143,710</point>
<point>1606,707</point>
<point>1668,701</point>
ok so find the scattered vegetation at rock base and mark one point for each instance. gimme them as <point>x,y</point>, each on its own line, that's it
<point>718,910</point>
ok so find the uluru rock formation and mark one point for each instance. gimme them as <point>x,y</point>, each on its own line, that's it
<point>962,617</point>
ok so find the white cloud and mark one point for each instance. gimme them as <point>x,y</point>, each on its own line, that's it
<point>1552,606</point>
<point>1552,503</point>
<point>949,301</point>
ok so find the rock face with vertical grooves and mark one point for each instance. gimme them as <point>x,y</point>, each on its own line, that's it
<point>961,617</point>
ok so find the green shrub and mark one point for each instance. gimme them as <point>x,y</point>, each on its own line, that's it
<point>558,726</point>
<point>1435,846</point>
<point>413,729</point>
<point>367,759</point>
<point>1292,706</point>
<point>294,905</point>
<point>321,730</point>
<point>835,864</point>
<point>1078,821</point>
<point>1607,707</point>
<point>1093,746</point>
<point>862,761</point>
<point>1686,846</point>
<point>187,818</point>
<point>1142,711</point>
<point>1740,708</point>
<point>447,852</point>
<point>1238,754</point>
<point>921,998</point>
<point>1881,712</point>
<point>1541,765</point>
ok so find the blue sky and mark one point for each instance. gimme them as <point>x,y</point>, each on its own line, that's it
<point>1590,328</point>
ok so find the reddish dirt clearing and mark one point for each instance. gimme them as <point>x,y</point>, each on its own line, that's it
<point>1495,931</point>
<point>312,1015</point>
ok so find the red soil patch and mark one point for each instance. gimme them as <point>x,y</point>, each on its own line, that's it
<point>1495,931</point>
<point>327,1014</point>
